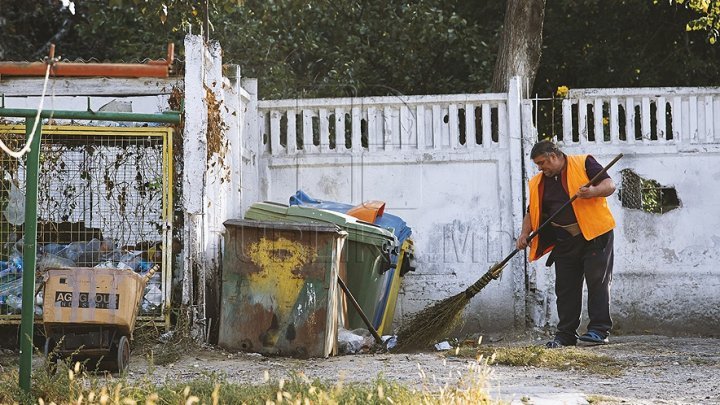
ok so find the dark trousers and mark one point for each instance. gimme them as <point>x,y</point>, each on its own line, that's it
<point>577,259</point>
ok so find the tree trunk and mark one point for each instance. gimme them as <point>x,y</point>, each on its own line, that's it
<point>520,46</point>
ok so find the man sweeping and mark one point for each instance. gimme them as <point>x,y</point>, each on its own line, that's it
<point>580,239</point>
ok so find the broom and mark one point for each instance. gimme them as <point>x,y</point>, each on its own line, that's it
<point>438,320</point>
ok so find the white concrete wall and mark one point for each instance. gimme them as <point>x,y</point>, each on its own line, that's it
<point>665,281</point>
<point>452,203</point>
<point>250,147</point>
<point>423,160</point>
<point>667,273</point>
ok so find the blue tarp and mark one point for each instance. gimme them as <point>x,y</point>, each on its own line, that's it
<point>388,221</point>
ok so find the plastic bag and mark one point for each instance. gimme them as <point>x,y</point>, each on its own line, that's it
<point>12,287</point>
<point>152,298</point>
<point>15,208</point>
<point>51,261</point>
<point>95,251</point>
<point>349,342</point>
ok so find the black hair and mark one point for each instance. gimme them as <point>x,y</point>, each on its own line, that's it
<point>544,148</point>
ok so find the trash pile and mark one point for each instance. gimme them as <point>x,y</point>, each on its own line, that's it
<point>94,253</point>
<point>360,341</point>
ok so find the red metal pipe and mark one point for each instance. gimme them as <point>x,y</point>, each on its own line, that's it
<point>156,68</point>
<point>84,69</point>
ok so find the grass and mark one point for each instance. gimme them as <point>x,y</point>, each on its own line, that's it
<point>568,358</point>
<point>71,384</point>
<point>149,341</point>
<point>602,399</point>
<point>700,361</point>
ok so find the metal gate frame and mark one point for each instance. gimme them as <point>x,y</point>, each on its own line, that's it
<point>166,134</point>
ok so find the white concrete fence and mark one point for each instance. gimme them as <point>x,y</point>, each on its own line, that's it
<point>369,124</point>
<point>641,116</point>
<point>443,163</point>
<point>454,167</point>
<point>665,133</point>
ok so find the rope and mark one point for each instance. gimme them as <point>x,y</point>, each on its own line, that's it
<point>26,148</point>
<point>479,285</point>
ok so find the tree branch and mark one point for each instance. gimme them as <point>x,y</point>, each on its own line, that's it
<point>67,24</point>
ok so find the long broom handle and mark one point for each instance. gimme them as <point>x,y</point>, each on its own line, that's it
<point>496,269</point>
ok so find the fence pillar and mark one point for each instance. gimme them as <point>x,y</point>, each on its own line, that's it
<point>253,148</point>
<point>217,185</point>
<point>194,165</point>
<point>234,118</point>
<point>537,284</point>
<point>515,132</point>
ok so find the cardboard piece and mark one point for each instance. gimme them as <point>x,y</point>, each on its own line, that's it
<point>92,296</point>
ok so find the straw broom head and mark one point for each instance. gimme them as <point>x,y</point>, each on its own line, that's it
<point>433,322</point>
<point>437,321</point>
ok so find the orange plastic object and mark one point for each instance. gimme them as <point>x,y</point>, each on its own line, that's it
<point>368,211</point>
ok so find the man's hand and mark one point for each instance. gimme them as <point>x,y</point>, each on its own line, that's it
<point>587,192</point>
<point>602,189</point>
<point>521,243</point>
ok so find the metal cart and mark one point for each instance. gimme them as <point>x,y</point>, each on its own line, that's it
<point>90,313</point>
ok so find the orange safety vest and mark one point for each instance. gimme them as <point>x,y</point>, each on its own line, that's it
<point>593,215</point>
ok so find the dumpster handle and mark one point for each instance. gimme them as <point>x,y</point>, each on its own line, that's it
<point>386,263</point>
<point>355,304</point>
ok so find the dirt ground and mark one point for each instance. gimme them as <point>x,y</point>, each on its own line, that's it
<point>659,370</point>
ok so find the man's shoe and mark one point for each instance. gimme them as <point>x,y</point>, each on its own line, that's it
<point>556,344</point>
<point>593,336</point>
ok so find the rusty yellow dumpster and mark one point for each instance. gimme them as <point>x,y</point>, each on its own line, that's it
<point>279,288</point>
<point>367,255</point>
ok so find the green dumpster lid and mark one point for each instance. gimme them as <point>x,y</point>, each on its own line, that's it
<point>268,208</point>
<point>358,230</point>
<point>299,226</point>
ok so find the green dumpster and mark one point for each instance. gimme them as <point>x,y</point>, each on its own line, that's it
<point>279,288</point>
<point>367,255</point>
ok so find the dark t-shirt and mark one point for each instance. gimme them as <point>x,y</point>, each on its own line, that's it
<point>555,194</point>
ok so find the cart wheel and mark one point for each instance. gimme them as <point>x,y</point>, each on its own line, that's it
<point>123,354</point>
